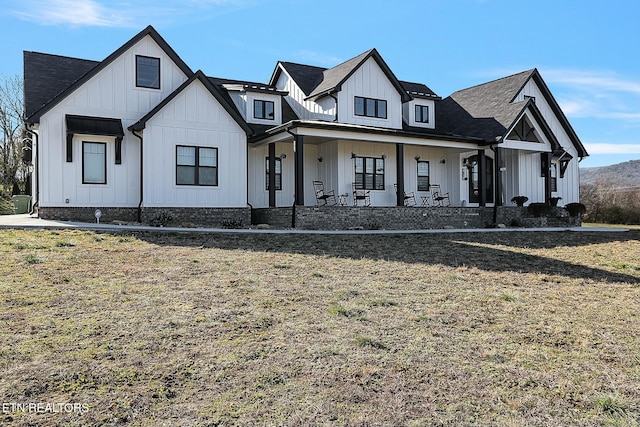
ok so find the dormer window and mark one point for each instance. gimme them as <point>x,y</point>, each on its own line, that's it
<point>422,114</point>
<point>147,72</point>
<point>263,109</point>
<point>370,107</point>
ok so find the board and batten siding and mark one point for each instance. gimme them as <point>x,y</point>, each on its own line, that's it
<point>324,109</point>
<point>194,118</point>
<point>569,186</point>
<point>111,93</point>
<point>370,81</point>
<point>257,173</point>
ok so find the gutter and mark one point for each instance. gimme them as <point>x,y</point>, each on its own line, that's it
<point>34,143</point>
<point>141,177</point>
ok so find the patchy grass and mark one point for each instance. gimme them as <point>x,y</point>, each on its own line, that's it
<point>172,329</point>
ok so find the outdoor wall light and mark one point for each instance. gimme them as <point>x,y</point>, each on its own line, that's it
<point>353,155</point>
<point>282,156</point>
<point>417,158</point>
<point>443,161</point>
<point>320,159</point>
<point>384,156</point>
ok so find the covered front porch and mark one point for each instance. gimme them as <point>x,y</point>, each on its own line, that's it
<point>387,165</point>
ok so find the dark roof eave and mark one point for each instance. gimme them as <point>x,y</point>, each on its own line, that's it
<point>286,127</point>
<point>148,31</point>
<point>199,75</point>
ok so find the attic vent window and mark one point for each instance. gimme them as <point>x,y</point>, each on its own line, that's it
<point>147,72</point>
<point>263,109</point>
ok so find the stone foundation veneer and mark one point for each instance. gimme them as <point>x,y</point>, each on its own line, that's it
<point>173,217</point>
<point>322,218</point>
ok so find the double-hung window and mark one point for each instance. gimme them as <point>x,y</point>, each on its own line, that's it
<point>278,173</point>
<point>196,165</point>
<point>94,163</point>
<point>423,175</point>
<point>147,72</point>
<point>369,173</point>
<point>370,107</point>
<point>422,114</point>
<point>263,109</point>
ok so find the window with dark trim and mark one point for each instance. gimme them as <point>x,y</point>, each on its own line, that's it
<point>263,109</point>
<point>370,107</point>
<point>369,173</point>
<point>196,165</point>
<point>553,176</point>
<point>278,174</point>
<point>423,175</point>
<point>94,163</point>
<point>422,114</point>
<point>147,72</point>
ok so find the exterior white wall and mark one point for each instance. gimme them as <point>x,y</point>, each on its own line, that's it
<point>409,113</point>
<point>569,186</point>
<point>257,173</point>
<point>112,93</point>
<point>194,118</point>
<point>324,109</point>
<point>369,81</point>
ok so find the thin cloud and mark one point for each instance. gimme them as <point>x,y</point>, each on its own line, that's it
<point>95,13</point>
<point>74,13</point>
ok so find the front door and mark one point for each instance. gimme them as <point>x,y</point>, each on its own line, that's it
<point>474,179</point>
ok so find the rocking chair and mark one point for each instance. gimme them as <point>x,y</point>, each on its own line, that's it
<point>409,198</point>
<point>323,198</point>
<point>438,197</point>
<point>361,196</point>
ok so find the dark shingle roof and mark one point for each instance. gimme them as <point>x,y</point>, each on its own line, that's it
<point>307,77</point>
<point>484,111</point>
<point>419,90</point>
<point>46,76</point>
<point>316,82</point>
<point>34,117</point>
<point>487,110</point>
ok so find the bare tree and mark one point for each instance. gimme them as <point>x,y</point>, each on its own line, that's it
<point>13,171</point>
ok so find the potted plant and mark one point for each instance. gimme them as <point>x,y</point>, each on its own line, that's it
<point>519,200</point>
<point>554,200</point>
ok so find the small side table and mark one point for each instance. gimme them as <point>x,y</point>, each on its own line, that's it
<point>425,201</point>
<point>342,199</point>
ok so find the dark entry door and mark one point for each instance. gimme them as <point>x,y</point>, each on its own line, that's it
<point>474,179</point>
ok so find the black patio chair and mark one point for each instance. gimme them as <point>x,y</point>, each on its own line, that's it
<point>323,197</point>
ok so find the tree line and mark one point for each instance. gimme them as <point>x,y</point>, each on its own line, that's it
<point>609,204</point>
<point>15,141</point>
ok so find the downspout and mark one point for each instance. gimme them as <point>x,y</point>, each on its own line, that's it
<point>293,208</point>
<point>336,99</point>
<point>497,161</point>
<point>34,143</point>
<point>141,177</point>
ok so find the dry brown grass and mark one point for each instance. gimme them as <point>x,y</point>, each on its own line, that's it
<point>507,329</point>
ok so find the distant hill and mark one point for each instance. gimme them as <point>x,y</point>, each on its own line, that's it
<point>625,174</point>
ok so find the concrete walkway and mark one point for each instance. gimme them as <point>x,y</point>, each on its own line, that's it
<point>26,221</point>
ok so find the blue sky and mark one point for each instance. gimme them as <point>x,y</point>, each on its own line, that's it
<point>588,51</point>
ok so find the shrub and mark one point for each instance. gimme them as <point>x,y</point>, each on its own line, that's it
<point>576,209</point>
